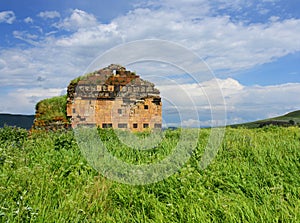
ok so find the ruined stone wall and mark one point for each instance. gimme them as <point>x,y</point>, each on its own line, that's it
<point>146,114</point>
<point>139,116</point>
<point>110,97</point>
<point>115,98</point>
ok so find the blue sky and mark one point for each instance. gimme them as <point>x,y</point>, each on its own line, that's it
<point>253,47</point>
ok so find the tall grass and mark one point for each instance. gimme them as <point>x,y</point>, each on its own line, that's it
<point>254,178</point>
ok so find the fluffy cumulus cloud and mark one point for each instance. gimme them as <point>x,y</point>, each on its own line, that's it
<point>26,99</point>
<point>28,20</point>
<point>190,103</point>
<point>224,42</point>
<point>7,17</point>
<point>78,19</point>
<point>49,14</point>
<point>248,103</point>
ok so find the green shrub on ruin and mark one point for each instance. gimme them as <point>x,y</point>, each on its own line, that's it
<point>52,108</point>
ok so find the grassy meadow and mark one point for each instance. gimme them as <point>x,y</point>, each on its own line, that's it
<point>255,177</point>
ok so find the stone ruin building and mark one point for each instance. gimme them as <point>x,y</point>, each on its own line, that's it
<point>114,97</point>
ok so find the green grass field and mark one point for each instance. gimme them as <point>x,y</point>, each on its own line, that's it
<point>255,177</point>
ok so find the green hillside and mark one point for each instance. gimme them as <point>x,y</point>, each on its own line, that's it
<point>289,119</point>
<point>294,114</point>
<point>22,121</point>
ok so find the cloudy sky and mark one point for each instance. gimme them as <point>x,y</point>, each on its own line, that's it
<point>252,48</point>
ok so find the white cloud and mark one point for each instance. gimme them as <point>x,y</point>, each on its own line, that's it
<point>191,8</point>
<point>243,104</point>
<point>259,102</point>
<point>91,37</point>
<point>223,43</point>
<point>191,123</point>
<point>49,14</point>
<point>23,100</point>
<point>25,36</point>
<point>78,19</point>
<point>28,20</point>
<point>274,19</point>
<point>7,17</point>
<point>21,67</point>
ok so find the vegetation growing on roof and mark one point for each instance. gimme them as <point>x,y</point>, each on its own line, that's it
<point>52,107</point>
<point>77,79</point>
<point>51,113</point>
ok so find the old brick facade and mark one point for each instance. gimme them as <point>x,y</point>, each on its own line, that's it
<point>114,98</point>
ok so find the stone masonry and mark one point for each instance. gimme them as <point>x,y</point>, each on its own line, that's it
<point>114,98</point>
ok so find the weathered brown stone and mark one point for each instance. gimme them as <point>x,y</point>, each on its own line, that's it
<point>114,97</point>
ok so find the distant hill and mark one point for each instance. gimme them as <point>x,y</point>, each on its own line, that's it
<point>289,119</point>
<point>22,121</point>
